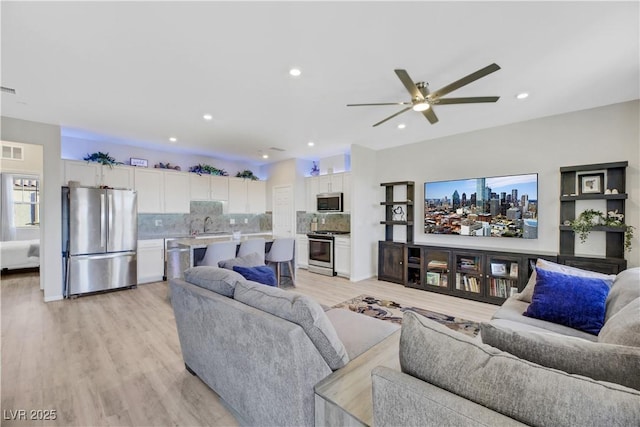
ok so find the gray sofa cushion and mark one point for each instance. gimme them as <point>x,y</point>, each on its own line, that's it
<point>527,292</point>
<point>249,260</point>
<point>624,327</point>
<point>513,308</point>
<point>605,362</point>
<point>520,389</point>
<point>218,280</point>
<point>625,289</point>
<point>359,333</point>
<point>300,310</point>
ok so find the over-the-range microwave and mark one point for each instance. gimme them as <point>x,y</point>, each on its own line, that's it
<point>329,202</point>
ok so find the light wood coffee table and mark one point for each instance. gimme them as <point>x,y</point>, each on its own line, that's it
<point>344,398</point>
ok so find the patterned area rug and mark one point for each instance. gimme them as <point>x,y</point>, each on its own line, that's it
<point>392,312</point>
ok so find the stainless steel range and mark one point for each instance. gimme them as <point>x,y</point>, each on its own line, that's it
<point>321,253</point>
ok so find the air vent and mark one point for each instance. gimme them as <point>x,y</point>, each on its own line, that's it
<point>8,90</point>
<point>276,149</point>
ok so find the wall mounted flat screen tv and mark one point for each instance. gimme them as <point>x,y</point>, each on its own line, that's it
<point>499,206</point>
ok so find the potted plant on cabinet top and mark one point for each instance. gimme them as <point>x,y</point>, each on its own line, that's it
<point>102,158</point>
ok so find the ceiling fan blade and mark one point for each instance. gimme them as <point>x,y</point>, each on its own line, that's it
<point>409,84</point>
<point>382,103</point>
<point>430,115</point>
<point>465,81</point>
<point>470,100</point>
<point>392,116</point>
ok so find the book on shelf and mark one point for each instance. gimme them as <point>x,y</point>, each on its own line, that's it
<point>513,270</point>
<point>468,263</point>
<point>435,264</point>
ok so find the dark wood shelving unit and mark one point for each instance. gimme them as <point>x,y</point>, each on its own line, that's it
<point>392,255</point>
<point>614,177</point>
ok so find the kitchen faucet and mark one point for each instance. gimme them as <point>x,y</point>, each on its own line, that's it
<point>207,220</point>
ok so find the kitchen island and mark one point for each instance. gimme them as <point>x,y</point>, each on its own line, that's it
<point>191,250</point>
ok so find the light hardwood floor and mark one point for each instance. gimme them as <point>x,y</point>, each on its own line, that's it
<point>114,358</point>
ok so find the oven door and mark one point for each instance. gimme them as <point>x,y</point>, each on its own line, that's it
<point>321,252</point>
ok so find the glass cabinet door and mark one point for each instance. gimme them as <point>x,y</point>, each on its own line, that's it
<point>437,269</point>
<point>468,276</point>
<point>503,273</point>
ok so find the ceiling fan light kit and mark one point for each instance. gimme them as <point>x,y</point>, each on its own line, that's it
<point>422,99</point>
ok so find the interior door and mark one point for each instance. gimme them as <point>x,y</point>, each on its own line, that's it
<point>283,222</point>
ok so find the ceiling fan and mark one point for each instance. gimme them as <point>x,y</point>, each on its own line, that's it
<point>422,100</point>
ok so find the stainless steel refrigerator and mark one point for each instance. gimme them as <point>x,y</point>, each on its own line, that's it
<point>99,239</point>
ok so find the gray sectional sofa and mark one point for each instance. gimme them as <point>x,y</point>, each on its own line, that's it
<point>525,372</point>
<point>263,349</point>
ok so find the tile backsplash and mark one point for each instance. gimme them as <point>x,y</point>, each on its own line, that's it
<point>204,217</point>
<point>332,221</point>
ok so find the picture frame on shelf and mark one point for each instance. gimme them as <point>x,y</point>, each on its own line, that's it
<point>498,269</point>
<point>513,269</point>
<point>433,278</point>
<point>591,183</point>
<point>143,163</point>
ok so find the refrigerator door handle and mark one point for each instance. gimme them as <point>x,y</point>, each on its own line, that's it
<point>111,213</point>
<point>105,256</point>
<point>103,218</point>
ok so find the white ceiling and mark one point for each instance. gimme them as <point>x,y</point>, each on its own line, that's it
<point>140,72</point>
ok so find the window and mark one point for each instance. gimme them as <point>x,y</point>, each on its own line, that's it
<point>26,200</point>
<point>12,152</point>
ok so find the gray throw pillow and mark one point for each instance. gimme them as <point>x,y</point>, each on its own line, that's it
<point>625,289</point>
<point>249,260</point>
<point>218,280</point>
<point>517,388</point>
<point>623,328</point>
<point>300,310</point>
<point>527,292</point>
<point>604,362</point>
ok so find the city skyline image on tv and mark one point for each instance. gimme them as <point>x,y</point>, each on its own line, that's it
<point>501,206</point>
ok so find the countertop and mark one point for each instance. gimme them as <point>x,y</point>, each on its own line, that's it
<point>202,242</point>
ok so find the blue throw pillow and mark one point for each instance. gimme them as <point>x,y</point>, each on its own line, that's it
<point>261,274</point>
<point>573,301</point>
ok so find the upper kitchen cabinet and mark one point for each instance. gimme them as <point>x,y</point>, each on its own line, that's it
<point>91,174</point>
<point>247,196</point>
<point>118,176</point>
<point>311,185</point>
<point>332,183</point>
<point>149,183</point>
<point>176,198</point>
<point>209,187</point>
<point>87,174</point>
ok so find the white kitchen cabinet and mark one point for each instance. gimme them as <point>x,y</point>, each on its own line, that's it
<point>346,192</point>
<point>330,183</point>
<point>342,248</point>
<point>247,196</point>
<point>209,187</point>
<point>311,187</point>
<point>176,192</point>
<point>219,187</point>
<point>118,176</point>
<point>149,183</point>
<point>86,173</point>
<point>302,251</point>
<point>92,174</point>
<point>200,186</point>
<point>150,260</point>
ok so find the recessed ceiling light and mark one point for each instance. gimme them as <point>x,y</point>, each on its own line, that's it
<point>173,139</point>
<point>265,156</point>
<point>522,95</point>
<point>423,106</point>
<point>311,143</point>
<point>402,126</point>
<point>207,117</point>
<point>295,72</point>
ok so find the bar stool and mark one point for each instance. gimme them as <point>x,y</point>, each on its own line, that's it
<point>282,251</point>
<point>217,252</point>
<point>252,245</point>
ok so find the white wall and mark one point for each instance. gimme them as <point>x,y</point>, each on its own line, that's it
<point>77,149</point>
<point>365,203</point>
<point>48,136</point>
<point>600,135</point>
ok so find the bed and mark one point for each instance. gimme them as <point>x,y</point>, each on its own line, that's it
<point>20,254</point>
